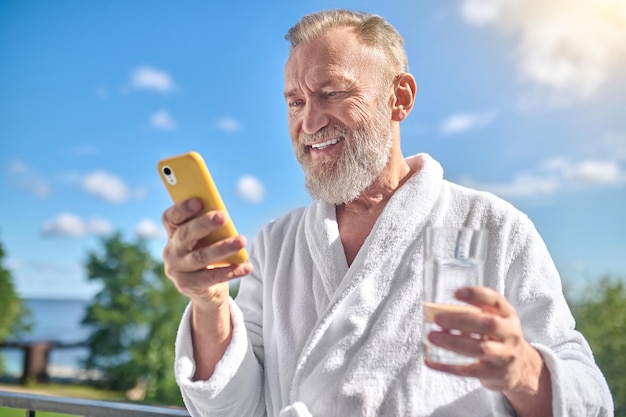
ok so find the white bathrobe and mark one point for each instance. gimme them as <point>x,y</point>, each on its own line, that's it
<point>316,337</point>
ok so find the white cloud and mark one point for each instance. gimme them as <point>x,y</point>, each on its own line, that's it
<point>71,225</point>
<point>40,189</point>
<point>20,174</point>
<point>107,186</point>
<point>149,229</point>
<point>595,172</point>
<point>139,193</point>
<point>555,164</point>
<point>71,177</point>
<point>557,175</point>
<point>149,78</point>
<point>229,125</point>
<point>250,189</point>
<point>162,120</point>
<point>482,12</point>
<point>464,122</point>
<point>65,225</point>
<point>522,185</point>
<point>566,50</point>
<point>99,226</point>
<point>17,166</point>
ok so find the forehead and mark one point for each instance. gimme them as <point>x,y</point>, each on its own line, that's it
<point>336,55</point>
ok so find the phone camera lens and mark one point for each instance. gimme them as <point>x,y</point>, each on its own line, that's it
<point>167,171</point>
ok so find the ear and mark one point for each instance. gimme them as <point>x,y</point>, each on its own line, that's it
<point>403,96</point>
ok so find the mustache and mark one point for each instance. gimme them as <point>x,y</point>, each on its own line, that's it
<point>323,133</point>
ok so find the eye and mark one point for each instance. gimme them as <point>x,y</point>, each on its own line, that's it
<point>333,94</point>
<point>295,103</point>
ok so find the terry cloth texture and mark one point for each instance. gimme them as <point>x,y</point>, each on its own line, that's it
<point>316,337</point>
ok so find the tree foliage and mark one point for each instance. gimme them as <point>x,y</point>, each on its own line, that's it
<point>133,320</point>
<point>601,317</point>
<point>15,318</point>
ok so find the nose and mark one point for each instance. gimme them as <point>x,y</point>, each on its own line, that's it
<point>314,117</point>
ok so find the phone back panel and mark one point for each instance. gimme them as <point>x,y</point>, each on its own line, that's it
<point>189,177</point>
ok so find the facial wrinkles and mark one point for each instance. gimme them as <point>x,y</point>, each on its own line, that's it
<point>316,80</point>
<point>366,149</point>
<point>342,176</point>
<point>337,58</point>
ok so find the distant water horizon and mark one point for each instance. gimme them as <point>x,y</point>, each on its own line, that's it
<point>54,319</point>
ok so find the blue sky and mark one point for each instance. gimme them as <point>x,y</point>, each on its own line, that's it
<point>524,99</point>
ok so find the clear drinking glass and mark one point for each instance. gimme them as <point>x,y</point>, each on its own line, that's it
<point>453,258</point>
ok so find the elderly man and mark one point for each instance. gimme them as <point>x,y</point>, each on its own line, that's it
<point>328,318</point>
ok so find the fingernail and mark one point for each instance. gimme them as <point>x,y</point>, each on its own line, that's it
<point>246,268</point>
<point>194,204</point>
<point>463,294</point>
<point>441,319</point>
<point>237,244</point>
<point>434,337</point>
<point>218,218</point>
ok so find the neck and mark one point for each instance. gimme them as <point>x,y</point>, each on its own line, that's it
<point>374,198</point>
<point>357,218</point>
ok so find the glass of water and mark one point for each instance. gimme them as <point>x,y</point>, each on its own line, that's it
<point>453,258</point>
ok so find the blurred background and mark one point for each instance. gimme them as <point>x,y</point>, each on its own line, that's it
<point>523,99</point>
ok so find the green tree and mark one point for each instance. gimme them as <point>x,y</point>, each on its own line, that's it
<point>133,320</point>
<point>15,318</point>
<point>601,317</point>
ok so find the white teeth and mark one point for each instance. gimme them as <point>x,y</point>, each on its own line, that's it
<point>326,144</point>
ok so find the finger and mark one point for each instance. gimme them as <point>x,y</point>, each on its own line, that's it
<point>460,370</point>
<point>188,234</point>
<point>486,299</point>
<point>471,345</point>
<point>202,257</point>
<point>493,356</point>
<point>484,324</point>
<point>180,213</point>
<point>194,284</point>
<point>489,374</point>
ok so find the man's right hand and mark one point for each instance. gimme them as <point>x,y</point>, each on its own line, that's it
<point>187,266</point>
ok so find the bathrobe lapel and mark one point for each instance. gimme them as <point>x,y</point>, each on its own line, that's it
<point>353,294</point>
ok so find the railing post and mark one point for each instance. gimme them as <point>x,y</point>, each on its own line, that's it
<point>36,357</point>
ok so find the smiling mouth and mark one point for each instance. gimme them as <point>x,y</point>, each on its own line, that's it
<point>325,144</point>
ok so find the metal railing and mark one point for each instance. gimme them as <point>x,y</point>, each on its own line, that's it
<point>31,403</point>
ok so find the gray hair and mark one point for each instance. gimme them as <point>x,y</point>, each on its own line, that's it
<point>371,30</point>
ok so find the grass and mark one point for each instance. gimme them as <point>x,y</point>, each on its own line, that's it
<point>68,390</point>
<point>60,390</point>
<point>13,412</point>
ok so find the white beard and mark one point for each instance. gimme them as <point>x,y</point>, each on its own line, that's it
<point>365,153</point>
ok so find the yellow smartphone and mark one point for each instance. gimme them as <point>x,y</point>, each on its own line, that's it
<point>186,176</point>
